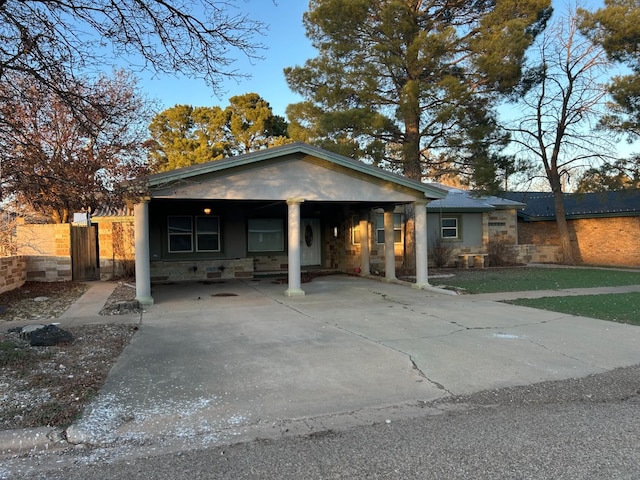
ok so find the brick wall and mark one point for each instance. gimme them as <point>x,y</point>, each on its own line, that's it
<point>13,272</point>
<point>613,241</point>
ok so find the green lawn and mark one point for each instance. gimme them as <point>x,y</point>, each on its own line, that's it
<point>623,307</point>
<point>520,279</point>
<point>617,307</point>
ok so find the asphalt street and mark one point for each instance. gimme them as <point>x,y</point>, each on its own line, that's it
<point>586,428</point>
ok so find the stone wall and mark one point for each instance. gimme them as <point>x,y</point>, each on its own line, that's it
<point>199,270</point>
<point>116,246</point>
<point>503,225</point>
<point>47,248</point>
<point>13,272</point>
<point>524,254</point>
<point>613,241</point>
<point>47,251</point>
<point>48,268</point>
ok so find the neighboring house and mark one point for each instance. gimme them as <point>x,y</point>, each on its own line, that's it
<point>604,227</point>
<point>284,209</point>
<point>468,224</point>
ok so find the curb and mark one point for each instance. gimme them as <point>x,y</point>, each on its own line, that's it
<point>31,440</point>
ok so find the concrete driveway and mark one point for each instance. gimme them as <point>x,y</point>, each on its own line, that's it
<point>230,361</point>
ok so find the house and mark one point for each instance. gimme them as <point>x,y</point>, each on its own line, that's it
<point>283,209</point>
<point>471,224</point>
<point>604,226</point>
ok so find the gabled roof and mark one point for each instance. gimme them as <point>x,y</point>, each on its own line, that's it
<point>540,205</point>
<point>463,200</point>
<point>297,148</point>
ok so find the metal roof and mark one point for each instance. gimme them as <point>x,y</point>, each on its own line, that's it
<point>464,200</point>
<point>540,205</point>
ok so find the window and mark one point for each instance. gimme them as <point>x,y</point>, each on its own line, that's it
<point>449,227</point>
<point>180,239</point>
<point>182,234</point>
<point>208,234</point>
<point>397,228</point>
<point>266,235</point>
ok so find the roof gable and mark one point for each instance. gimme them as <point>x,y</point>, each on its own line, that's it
<point>291,169</point>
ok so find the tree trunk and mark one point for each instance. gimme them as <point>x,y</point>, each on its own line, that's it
<point>568,257</point>
<point>412,169</point>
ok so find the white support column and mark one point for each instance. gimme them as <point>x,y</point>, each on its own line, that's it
<point>422,260</point>
<point>293,227</point>
<point>365,253</point>
<point>143,258</point>
<point>389,250</point>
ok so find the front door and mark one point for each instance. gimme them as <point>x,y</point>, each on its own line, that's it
<point>310,242</point>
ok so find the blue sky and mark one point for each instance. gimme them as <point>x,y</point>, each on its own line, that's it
<point>286,45</point>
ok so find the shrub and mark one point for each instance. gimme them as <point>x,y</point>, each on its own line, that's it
<point>441,252</point>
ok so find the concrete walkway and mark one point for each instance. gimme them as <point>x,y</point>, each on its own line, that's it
<point>86,310</point>
<point>232,361</point>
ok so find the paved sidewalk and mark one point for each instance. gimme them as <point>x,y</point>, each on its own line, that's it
<point>567,292</point>
<point>86,310</point>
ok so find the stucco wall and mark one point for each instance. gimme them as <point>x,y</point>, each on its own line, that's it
<point>611,241</point>
<point>13,272</point>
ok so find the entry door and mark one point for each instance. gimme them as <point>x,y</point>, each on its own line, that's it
<point>310,242</point>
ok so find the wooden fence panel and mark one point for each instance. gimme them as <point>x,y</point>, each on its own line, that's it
<point>84,253</point>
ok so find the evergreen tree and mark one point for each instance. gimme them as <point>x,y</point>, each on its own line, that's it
<point>184,135</point>
<point>410,84</point>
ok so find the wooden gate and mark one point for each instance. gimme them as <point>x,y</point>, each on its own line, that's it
<point>84,253</point>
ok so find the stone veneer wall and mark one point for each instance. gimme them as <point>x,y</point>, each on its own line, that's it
<point>503,225</point>
<point>13,272</point>
<point>613,241</point>
<point>47,251</point>
<point>180,271</point>
<point>116,246</point>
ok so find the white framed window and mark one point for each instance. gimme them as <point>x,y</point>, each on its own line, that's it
<point>180,228</point>
<point>449,227</point>
<point>208,233</point>
<point>397,228</point>
<point>265,235</point>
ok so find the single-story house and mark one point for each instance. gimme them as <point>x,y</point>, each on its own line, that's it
<point>604,226</point>
<point>470,223</point>
<point>286,208</point>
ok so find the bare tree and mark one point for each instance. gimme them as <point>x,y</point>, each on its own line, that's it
<point>56,164</point>
<point>51,42</point>
<point>559,103</point>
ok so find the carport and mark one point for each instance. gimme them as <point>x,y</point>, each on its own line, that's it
<point>288,206</point>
